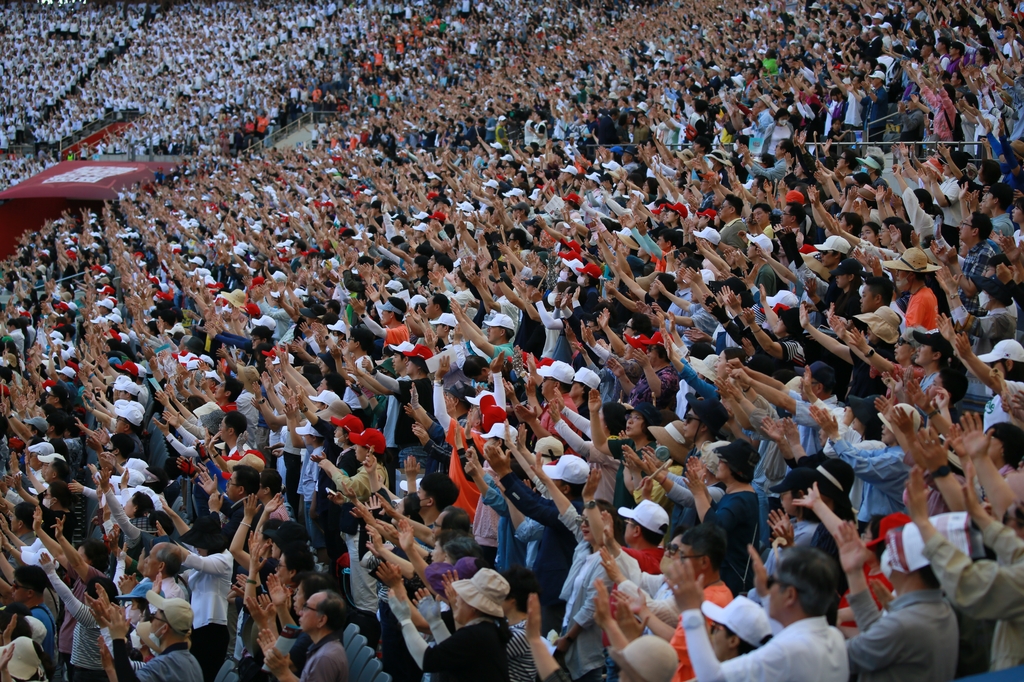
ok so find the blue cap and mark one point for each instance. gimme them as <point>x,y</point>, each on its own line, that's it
<point>616,150</point>
<point>139,592</point>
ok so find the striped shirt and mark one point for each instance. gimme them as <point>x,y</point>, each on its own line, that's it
<point>520,659</point>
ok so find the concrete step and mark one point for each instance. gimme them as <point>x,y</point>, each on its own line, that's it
<point>300,137</point>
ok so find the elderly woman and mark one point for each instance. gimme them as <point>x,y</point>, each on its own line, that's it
<point>476,650</point>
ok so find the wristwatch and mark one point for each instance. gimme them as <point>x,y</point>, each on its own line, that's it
<point>942,471</point>
<point>590,505</point>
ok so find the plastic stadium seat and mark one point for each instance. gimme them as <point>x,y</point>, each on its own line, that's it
<point>355,668</point>
<point>352,648</point>
<point>351,631</point>
<point>370,672</point>
<point>227,671</point>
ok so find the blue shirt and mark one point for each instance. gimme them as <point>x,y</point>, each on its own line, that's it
<point>511,552</point>
<point>308,475</point>
<point>884,474</point>
<point>46,618</point>
<point>877,109</point>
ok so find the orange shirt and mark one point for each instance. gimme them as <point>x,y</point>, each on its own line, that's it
<point>923,309</point>
<point>716,594</point>
<point>395,336</point>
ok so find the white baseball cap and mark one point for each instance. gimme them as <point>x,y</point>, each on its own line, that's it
<point>326,397</point>
<point>1007,349</point>
<point>785,297</point>
<point>558,370</point>
<point>709,233</point>
<point>746,619</point>
<point>306,430</point>
<point>647,514</point>
<point>587,377</point>
<point>447,319</point>
<point>41,450</point>
<point>132,412</point>
<point>501,320</point>
<point>265,321</point>
<point>835,243</point>
<point>568,469</point>
<point>762,241</point>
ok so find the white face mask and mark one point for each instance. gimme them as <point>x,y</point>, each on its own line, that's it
<point>156,641</point>
<point>581,280</point>
<point>886,567</point>
<point>983,299</point>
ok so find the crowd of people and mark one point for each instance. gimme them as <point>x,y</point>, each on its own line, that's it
<point>45,54</point>
<point>661,342</point>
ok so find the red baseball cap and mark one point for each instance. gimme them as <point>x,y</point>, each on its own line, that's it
<point>419,351</point>
<point>642,341</point>
<point>349,422</point>
<point>130,367</point>
<point>890,522</point>
<point>253,310</point>
<point>592,270</point>
<point>370,438</point>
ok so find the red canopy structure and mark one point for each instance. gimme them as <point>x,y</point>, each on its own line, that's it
<point>68,185</point>
<point>90,180</point>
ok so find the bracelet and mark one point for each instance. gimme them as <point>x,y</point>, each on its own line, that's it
<point>251,582</point>
<point>933,413</point>
<point>243,523</point>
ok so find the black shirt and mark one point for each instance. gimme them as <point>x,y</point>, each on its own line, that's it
<point>404,437</point>
<point>474,653</point>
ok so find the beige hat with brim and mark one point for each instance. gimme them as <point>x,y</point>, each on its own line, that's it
<point>705,368</point>
<point>486,592</point>
<point>25,663</point>
<point>647,659</point>
<point>906,409</point>
<point>247,460</point>
<point>627,240</point>
<point>881,325</point>
<point>816,266</point>
<point>144,631</point>
<point>236,298</point>
<point>912,260</point>
<point>709,456</point>
<point>671,436</point>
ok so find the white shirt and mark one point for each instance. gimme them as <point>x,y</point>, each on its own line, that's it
<point>210,583</point>
<point>809,650</point>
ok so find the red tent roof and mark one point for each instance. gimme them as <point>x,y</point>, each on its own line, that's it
<point>95,180</point>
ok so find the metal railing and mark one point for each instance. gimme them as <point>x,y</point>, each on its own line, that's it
<point>96,126</point>
<point>307,118</point>
<point>273,138</point>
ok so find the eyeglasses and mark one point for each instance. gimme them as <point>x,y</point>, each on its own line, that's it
<point>585,522</point>
<point>16,586</point>
<point>673,552</point>
<point>772,580</point>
